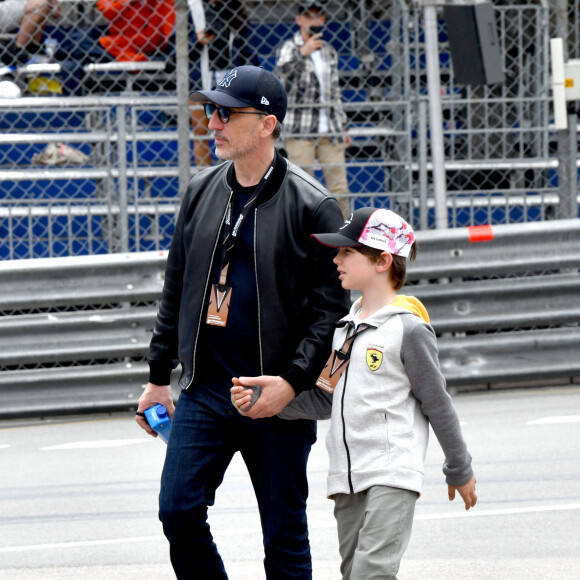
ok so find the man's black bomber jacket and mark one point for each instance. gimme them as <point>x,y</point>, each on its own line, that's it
<point>299,294</point>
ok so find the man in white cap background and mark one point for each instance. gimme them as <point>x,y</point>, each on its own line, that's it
<point>248,295</point>
<point>316,122</point>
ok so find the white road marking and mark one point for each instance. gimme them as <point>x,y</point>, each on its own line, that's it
<point>81,544</point>
<point>471,513</point>
<point>476,513</point>
<point>4,446</point>
<point>555,420</point>
<point>98,444</point>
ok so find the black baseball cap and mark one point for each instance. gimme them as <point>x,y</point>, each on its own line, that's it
<point>248,86</point>
<point>381,229</point>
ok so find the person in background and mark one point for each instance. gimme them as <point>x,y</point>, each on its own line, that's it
<point>383,388</point>
<point>315,124</point>
<point>27,18</point>
<point>246,294</point>
<point>221,28</point>
<point>136,30</point>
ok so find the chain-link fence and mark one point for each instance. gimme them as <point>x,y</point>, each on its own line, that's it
<point>94,156</point>
<point>103,177</point>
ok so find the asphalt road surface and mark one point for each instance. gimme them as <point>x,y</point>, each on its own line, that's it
<point>78,500</point>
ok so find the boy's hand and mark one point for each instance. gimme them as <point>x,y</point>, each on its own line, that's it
<point>241,397</point>
<point>276,394</point>
<point>466,491</point>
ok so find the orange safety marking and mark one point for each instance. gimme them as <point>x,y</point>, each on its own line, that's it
<point>480,233</point>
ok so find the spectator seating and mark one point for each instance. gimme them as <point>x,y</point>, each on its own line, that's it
<point>152,154</point>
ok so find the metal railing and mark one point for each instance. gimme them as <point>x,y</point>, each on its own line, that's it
<point>504,302</point>
<point>75,332</point>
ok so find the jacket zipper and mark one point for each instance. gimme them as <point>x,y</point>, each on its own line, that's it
<point>258,289</point>
<point>347,450</point>
<point>205,293</point>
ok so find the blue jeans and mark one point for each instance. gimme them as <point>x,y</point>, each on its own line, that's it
<point>206,432</point>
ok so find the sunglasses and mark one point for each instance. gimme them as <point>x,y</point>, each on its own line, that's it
<point>224,113</point>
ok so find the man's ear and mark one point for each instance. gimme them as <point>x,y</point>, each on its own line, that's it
<point>385,262</point>
<point>269,124</point>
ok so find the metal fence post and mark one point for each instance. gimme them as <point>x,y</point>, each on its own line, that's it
<point>570,207</point>
<point>567,140</point>
<point>435,115</point>
<point>182,73</point>
<point>423,207</point>
<point>123,225</point>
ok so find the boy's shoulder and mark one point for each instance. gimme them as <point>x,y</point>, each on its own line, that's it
<point>408,309</point>
<point>413,305</point>
<point>415,325</point>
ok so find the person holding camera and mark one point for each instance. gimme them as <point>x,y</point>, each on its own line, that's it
<point>315,123</point>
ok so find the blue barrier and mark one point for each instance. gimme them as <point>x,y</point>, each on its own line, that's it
<point>48,189</point>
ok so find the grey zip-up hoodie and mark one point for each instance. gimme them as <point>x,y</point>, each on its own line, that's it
<point>383,404</point>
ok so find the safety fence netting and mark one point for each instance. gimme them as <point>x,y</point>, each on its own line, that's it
<point>89,157</point>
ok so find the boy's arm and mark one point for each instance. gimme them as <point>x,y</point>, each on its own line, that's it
<point>313,404</point>
<point>420,356</point>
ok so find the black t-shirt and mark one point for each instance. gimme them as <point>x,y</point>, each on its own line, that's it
<point>233,350</point>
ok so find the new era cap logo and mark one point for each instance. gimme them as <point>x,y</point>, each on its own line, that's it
<point>264,101</point>
<point>226,81</point>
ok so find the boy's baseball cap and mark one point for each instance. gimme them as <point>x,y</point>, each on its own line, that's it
<point>376,228</point>
<point>247,86</point>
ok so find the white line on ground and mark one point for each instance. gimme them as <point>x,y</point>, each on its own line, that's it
<point>475,513</point>
<point>470,513</point>
<point>98,444</point>
<point>554,420</point>
<point>80,544</point>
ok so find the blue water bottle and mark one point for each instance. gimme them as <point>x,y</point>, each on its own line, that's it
<point>159,421</point>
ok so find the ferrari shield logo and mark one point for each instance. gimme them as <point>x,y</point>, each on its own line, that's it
<point>374,358</point>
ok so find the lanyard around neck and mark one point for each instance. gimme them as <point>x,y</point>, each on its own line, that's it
<point>231,229</point>
<point>346,348</point>
<point>338,361</point>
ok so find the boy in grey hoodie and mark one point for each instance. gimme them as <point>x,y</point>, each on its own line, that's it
<point>382,387</point>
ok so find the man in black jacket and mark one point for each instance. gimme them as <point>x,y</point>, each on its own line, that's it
<point>247,295</point>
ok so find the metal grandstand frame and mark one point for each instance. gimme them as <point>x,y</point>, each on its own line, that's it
<point>500,151</point>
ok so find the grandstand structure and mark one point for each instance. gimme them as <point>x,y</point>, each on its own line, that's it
<point>96,165</point>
